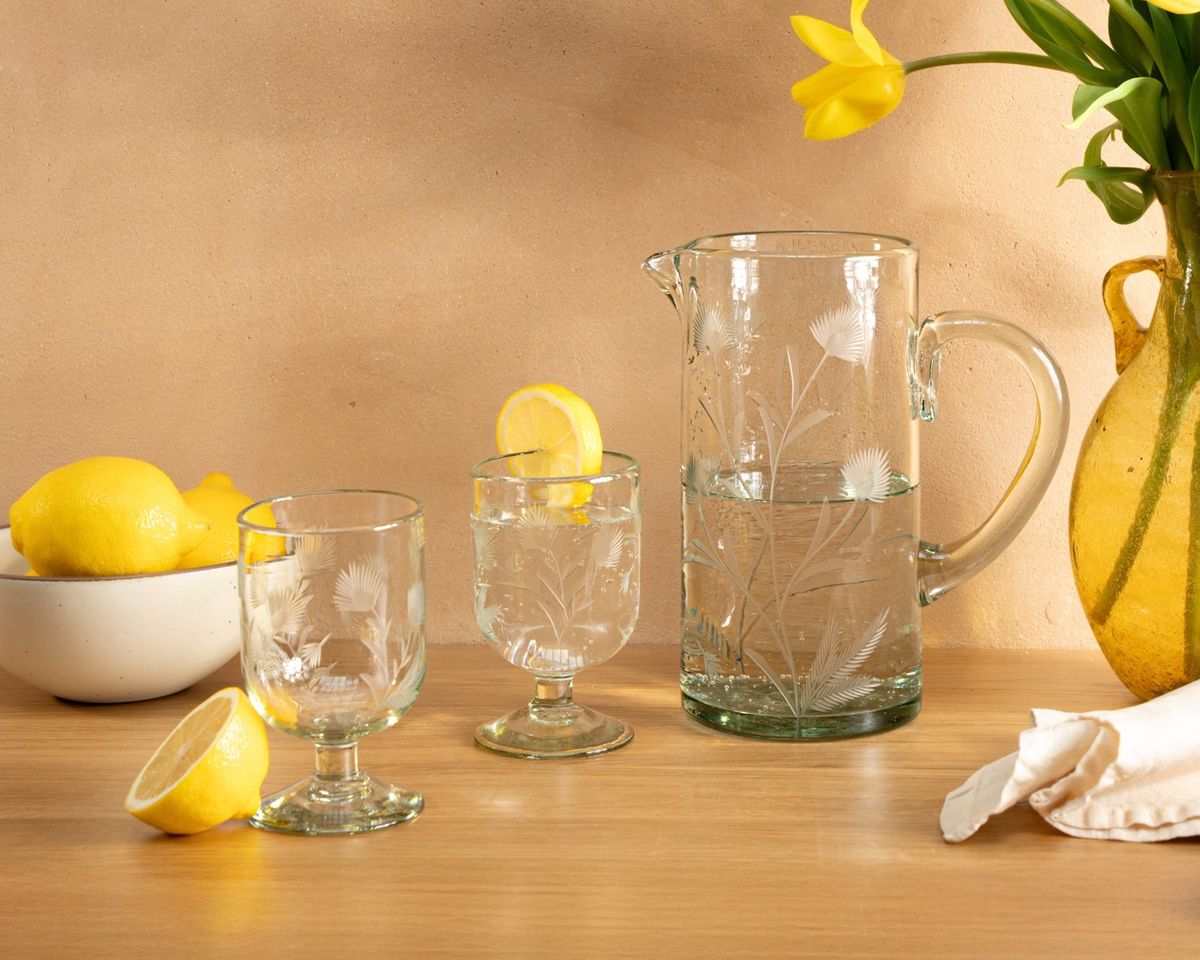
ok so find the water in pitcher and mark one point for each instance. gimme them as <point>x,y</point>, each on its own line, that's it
<point>554,595</point>
<point>800,597</point>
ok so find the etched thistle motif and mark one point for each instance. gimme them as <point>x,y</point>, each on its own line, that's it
<point>711,330</point>
<point>485,547</point>
<point>315,554</point>
<point>698,477</point>
<point>361,596</point>
<point>310,651</point>
<point>281,637</point>
<point>866,476</point>
<point>538,517</point>
<point>840,334</point>
<point>287,607</point>
<point>358,587</point>
<point>608,546</point>
<point>256,586</point>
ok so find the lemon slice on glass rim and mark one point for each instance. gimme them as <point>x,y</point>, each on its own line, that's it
<point>557,424</point>
<point>209,769</point>
<point>562,435</point>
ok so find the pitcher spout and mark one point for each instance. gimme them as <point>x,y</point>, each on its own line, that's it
<point>663,269</point>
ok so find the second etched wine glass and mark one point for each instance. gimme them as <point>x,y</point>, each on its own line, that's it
<point>557,564</point>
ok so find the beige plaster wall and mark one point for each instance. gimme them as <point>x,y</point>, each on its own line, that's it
<point>317,243</point>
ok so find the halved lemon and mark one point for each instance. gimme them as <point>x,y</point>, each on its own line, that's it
<point>209,769</point>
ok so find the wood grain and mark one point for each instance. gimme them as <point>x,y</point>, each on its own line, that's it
<point>687,843</point>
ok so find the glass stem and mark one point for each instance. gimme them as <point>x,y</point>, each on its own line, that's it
<point>337,769</point>
<point>553,692</point>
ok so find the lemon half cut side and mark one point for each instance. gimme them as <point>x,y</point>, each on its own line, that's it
<point>209,769</point>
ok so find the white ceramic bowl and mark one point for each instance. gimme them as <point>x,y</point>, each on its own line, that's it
<point>115,639</point>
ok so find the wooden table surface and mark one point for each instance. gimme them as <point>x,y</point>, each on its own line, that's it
<point>687,843</point>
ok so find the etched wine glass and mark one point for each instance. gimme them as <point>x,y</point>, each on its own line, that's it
<point>557,564</point>
<point>332,589</point>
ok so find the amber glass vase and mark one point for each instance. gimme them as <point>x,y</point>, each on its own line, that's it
<point>1135,503</point>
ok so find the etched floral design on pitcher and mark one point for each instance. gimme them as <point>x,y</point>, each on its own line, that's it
<point>755,580</point>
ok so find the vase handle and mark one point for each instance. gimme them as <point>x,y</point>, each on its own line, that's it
<point>940,568</point>
<point>1128,335</point>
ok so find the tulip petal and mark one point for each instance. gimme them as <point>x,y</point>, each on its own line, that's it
<point>827,82</point>
<point>1177,6</point>
<point>863,37</point>
<point>833,43</point>
<point>862,103</point>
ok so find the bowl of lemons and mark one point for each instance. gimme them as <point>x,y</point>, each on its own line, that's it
<point>114,585</point>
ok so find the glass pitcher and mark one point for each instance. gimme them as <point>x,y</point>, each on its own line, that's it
<point>805,374</point>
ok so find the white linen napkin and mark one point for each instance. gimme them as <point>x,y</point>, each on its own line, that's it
<point>1131,774</point>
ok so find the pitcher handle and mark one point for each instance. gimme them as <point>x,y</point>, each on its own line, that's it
<point>1128,336</point>
<point>941,568</point>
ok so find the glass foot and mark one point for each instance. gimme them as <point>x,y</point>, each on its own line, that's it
<point>547,731</point>
<point>321,806</point>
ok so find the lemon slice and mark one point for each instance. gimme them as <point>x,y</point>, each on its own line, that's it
<point>557,424</point>
<point>209,769</point>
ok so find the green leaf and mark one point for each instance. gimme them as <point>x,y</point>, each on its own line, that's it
<point>1052,28</point>
<point>1183,36</point>
<point>1125,191</point>
<point>1170,56</point>
<point>1128,45</point>
<point>1138,104</point>
<point>1194,115</point>
<point>1124,204</point>
<point>1070,60</point>
<point>1070,32</point>
<point>1178,80</point>
<point>1138,24</point>
<point>1020,12</point>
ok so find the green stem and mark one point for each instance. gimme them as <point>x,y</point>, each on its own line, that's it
<point>1184,356</point>
<point>1191,610</point>
<point>1189,336</point>
<point>985,56</point>
<point>1156,478</point>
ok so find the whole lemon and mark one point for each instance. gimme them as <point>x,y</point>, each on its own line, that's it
<point>219,502</point>
<point>104,516</point>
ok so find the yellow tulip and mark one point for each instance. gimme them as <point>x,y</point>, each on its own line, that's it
<point>1177,6</point>
<point>862,84</point>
